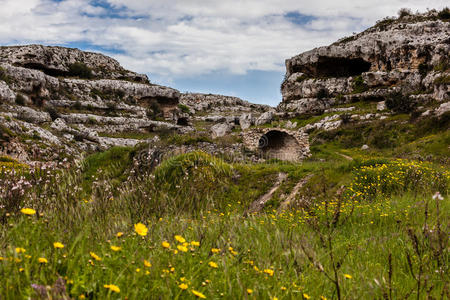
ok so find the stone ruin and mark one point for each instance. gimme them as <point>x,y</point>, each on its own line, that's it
<point>277,143</point>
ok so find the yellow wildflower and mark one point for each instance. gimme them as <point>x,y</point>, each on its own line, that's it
<point>183,286</point>
<point>20,250</point>
<point>165,244</point>
<point>141,229</point>
<point>42,260</point>
<point>28,211</point>
<point>112,287</point>
<point>58,245</point>
<point>268,272</point>
<point>306,296</point>
<point>215,250</point>
<point>147,263</point>
<point>180,239</point>
<point>198,294</point>
<point>182,248</point>
<point>249,291</point>
<point>213,265</point>
<point>115,248</point>
<point>348,276</point>
<point>194,243</point>
<point>95,256</point>
<point>119,234</point>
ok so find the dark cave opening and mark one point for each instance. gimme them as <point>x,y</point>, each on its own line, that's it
<point>182,121</point>
<point>334,67</point>
<point>279,145</point>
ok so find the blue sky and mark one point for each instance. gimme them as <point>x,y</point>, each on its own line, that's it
<point>231,47</point>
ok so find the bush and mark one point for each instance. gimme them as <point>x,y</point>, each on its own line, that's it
<point>154,111</point>
<point>184,108</point>
<point>404,12</point>
<point>322,93</point>
<point>444,14</point>
<point>80,70</point>
<point>397,177</point>
<point>358,85</point>
<point>400,103</point>
<point>3,76</point>
<point>54,114</point>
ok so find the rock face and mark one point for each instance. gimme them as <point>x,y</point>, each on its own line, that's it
<point>59,61</point>
<point>50,107</point>
<point>408,53</point>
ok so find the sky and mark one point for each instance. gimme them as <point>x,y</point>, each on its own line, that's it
<point>235,48</point>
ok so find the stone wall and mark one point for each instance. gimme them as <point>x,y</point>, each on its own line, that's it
<point>277,143</point>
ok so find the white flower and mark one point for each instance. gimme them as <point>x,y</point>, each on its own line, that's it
<point>438,196</point>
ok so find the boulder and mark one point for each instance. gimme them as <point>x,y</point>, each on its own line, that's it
<point>264,118</point>
<point>246,120</point>
<point>222,129</point>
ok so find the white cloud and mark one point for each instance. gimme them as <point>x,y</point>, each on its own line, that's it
<point>182,38</point>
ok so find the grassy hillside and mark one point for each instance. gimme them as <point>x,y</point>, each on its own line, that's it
<point>363,225</point>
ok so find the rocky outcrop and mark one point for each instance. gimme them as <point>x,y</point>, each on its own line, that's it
<point>409,54</point>
<point>60,61</point>
<point>46,106</point>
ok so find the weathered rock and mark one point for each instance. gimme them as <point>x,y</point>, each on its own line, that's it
<point>246,120</point>
<point>265,118</point>
<point>6,94</point>
<point>381,105</point>
<point>443,108</point>
<point>57,61</point>
<point>30,115</point>
<point>398,55</point>
<point>222,129</point>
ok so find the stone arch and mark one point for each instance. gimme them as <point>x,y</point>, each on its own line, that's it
<point>279,145</point>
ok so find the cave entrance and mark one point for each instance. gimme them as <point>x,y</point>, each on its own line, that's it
<point>182,121</point>
<point>279,145</point>
<point>334,67</point>
<point>160,105</point>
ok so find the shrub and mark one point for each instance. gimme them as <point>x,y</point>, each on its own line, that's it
<point>77,105</point>
<point>404,12</point>
<point>54,114</point>
<point>444,14</point>
<point>322,93</point>
<point>400,103</point>
<point>154,110</point>
<point>396,177</point>
<point>346,118</point>
<point>80,70</point>
<point>183,108</point>
<point>358,85</point>
<point>3,76</point>
<point>444,79</point>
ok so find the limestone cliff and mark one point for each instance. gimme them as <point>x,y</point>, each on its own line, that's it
<point>408,54</point>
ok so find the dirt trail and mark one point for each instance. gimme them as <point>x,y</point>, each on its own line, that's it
<point>285,204</point>
<point>259,204</point>
<point>345,156</point>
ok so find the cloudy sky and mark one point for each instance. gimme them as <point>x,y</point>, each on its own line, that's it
<point>232,47</point>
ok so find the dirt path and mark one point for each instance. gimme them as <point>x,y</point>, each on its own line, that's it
<point>345,156</point>
<point>259,204</point>
<point>285,204</point>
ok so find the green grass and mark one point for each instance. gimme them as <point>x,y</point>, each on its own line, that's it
<point>360,233</point>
